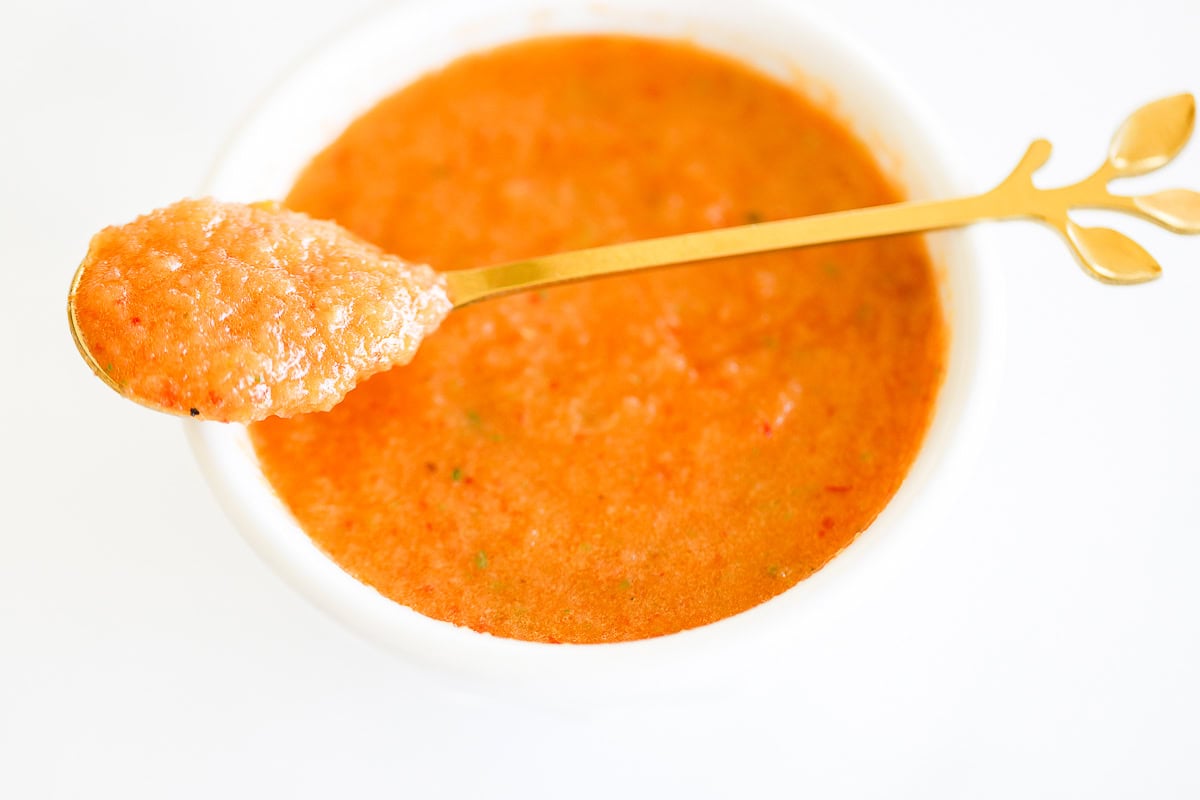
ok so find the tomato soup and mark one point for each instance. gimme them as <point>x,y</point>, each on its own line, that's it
<point>628,457</point>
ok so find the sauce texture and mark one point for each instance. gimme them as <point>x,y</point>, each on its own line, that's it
<point>231,312</point>
<point>630,457</point>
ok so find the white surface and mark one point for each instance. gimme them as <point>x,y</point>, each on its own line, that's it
<point>148,653</point>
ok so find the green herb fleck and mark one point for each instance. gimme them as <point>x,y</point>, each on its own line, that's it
<point>475,420</point>
<point>831,269</point>
<point>625,585</point>
<point>481,560</point>
<point>753,217</point>
<point>773,570</point>
<point>108,368</point>
<point>456,475</point>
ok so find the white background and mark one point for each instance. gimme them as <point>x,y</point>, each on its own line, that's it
<point>1042,641</point>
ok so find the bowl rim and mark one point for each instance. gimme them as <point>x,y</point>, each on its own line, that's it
<point>693,658</point>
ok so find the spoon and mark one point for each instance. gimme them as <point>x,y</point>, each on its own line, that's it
<point>261,364</point>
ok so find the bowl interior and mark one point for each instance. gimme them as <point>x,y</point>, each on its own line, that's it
<point>315,102</point>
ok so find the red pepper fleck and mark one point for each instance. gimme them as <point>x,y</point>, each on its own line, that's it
<point>135,320</point>
<point>766,429</point>
<point>468,480</point>
<point>837,489</point>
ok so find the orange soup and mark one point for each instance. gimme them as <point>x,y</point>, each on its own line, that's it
<point>630,457</point>
<point>234,313</point>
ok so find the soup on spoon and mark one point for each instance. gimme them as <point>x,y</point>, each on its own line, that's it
<point>234,313</point>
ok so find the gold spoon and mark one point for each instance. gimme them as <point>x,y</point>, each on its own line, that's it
<point>1147,140</point>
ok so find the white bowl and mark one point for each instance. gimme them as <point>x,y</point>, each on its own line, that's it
<point>314,104</point>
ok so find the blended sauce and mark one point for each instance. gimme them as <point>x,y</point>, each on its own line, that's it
<point>230,312</point>
<point>628,457</point>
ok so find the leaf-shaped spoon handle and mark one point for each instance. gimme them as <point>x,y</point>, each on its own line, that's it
<point>1148,139</point>
<point>1152,136</point>
<point>1175,209</point>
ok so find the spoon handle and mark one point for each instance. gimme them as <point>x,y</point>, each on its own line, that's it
<point>1149,138</point>
<point>470,285</point>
